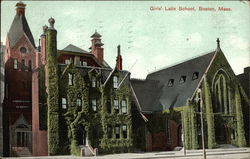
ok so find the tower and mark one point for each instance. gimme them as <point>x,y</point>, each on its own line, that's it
<point>19,62</point>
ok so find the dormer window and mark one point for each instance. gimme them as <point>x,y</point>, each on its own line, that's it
<point>70,79</point>
<point>195,75</point>
<point>171,83</point>
<point>93,82</point>
<point>182,79</point>
<point>115,82</point>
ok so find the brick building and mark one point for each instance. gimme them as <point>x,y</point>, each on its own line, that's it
<point>67,101</point>
<point>2,50</point>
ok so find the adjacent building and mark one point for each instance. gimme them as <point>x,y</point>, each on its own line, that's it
<point>171,100</point>
<point>2,50</point>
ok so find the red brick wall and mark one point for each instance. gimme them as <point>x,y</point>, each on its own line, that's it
<point>39,142</point>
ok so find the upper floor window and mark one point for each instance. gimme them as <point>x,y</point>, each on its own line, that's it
<point>115,81</point>
<point>23,50</point>
<point>29,65</point>
<point>15,64</point>
<point>171,83</point>
<point>70,79</point>
<point>94,105</point>
<point>195,75</point>
<point>78,102</point>
<point>117,131</point>
<point>23,65</point>
<point>64,103</point>
<point>93,82</point>
<point>182,79</point>
<point>67,61</point>
<point>124,106</point>
<point>116,106</point>
<point>124,131</point>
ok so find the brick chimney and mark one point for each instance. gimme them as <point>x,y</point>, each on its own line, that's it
<point>43,44</point>
<point>20,8</point>
<point>96,47</point>
<point>119,58</point>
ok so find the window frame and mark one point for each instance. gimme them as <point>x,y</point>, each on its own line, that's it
<point>117,131</point>
<point>125,132</point>
<point>23,65</point>
<point>124,101</point>
<point>64,103</point>
<point>15,64</point>
<point>29,65</point>
<point>93,82</point>
<point>78,102</point>
<point>94,105</point>
<point>116,107</point>
<point>115,82</point>
<point>70,76</point>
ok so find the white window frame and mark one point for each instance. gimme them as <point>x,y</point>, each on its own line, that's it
<point>78,102</point>
<point>124,107</point>
<point>93,82</point>
<point>15,64</point>
<point>115,82</point>
<point>94,105</point>
<point>70,79</point>
<point>117,131</point>
<point>64,103</point>
<point>116,105</point>
<point>125,129</point>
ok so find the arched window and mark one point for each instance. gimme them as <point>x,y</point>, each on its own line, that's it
<point>221,93</point>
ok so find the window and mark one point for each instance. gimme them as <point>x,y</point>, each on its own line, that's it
<point>117,131</point>
<point>195,75</point>
<point>171,83</point>
<point>67,61</point>
<point>115,81</point>
<point>23,65</point>
<point>70,79</point>
<point>116,106</point>
<point>109,131</point>
<point>124,106</point>
<point>83,63</point>
<point>15,64</point>
<point>182,79</point>
<point>64,103</point>
<point>93,82</point>
<point>23,50</point>
<point>29,66</point>
<point>124,131</point>
<point>168,131</point>
<point>94,106</point>
<point>108,106</point>
<point>78,102</point>
<point>22,139</point>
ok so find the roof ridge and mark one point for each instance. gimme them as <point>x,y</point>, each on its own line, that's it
<point>180,62</point>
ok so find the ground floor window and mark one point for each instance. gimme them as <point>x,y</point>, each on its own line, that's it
<point>22,139</point>
<point>109,131</point>
<point>117,131</point>
<point>124,131</point>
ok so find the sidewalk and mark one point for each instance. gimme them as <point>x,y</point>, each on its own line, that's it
<point>219,153</point>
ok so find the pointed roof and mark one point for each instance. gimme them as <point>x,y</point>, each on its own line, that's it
<point>154,93</point>
<point>96,35</point>
<point>19,27</point>
<point>73,48</point>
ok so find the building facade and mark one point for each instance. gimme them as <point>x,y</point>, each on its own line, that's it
<point>175,97</point>
<point>2,50</point>
<point>67,101</point>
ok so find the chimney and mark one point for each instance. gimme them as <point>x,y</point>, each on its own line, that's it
<point>96,46</point>
<point>20,8</point>
<point>119,58</point>
<point>43,44</point>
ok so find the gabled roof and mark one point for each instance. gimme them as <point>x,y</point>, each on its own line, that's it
<point>96,35</point>
<point>73,48</point>
<point>19,27</point>
<point>154,92</point>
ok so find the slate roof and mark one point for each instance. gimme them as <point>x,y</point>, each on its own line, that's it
<point>96,35</point>
<point>19,27</point>
<point>73,48</point>
<point>154,94</point>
